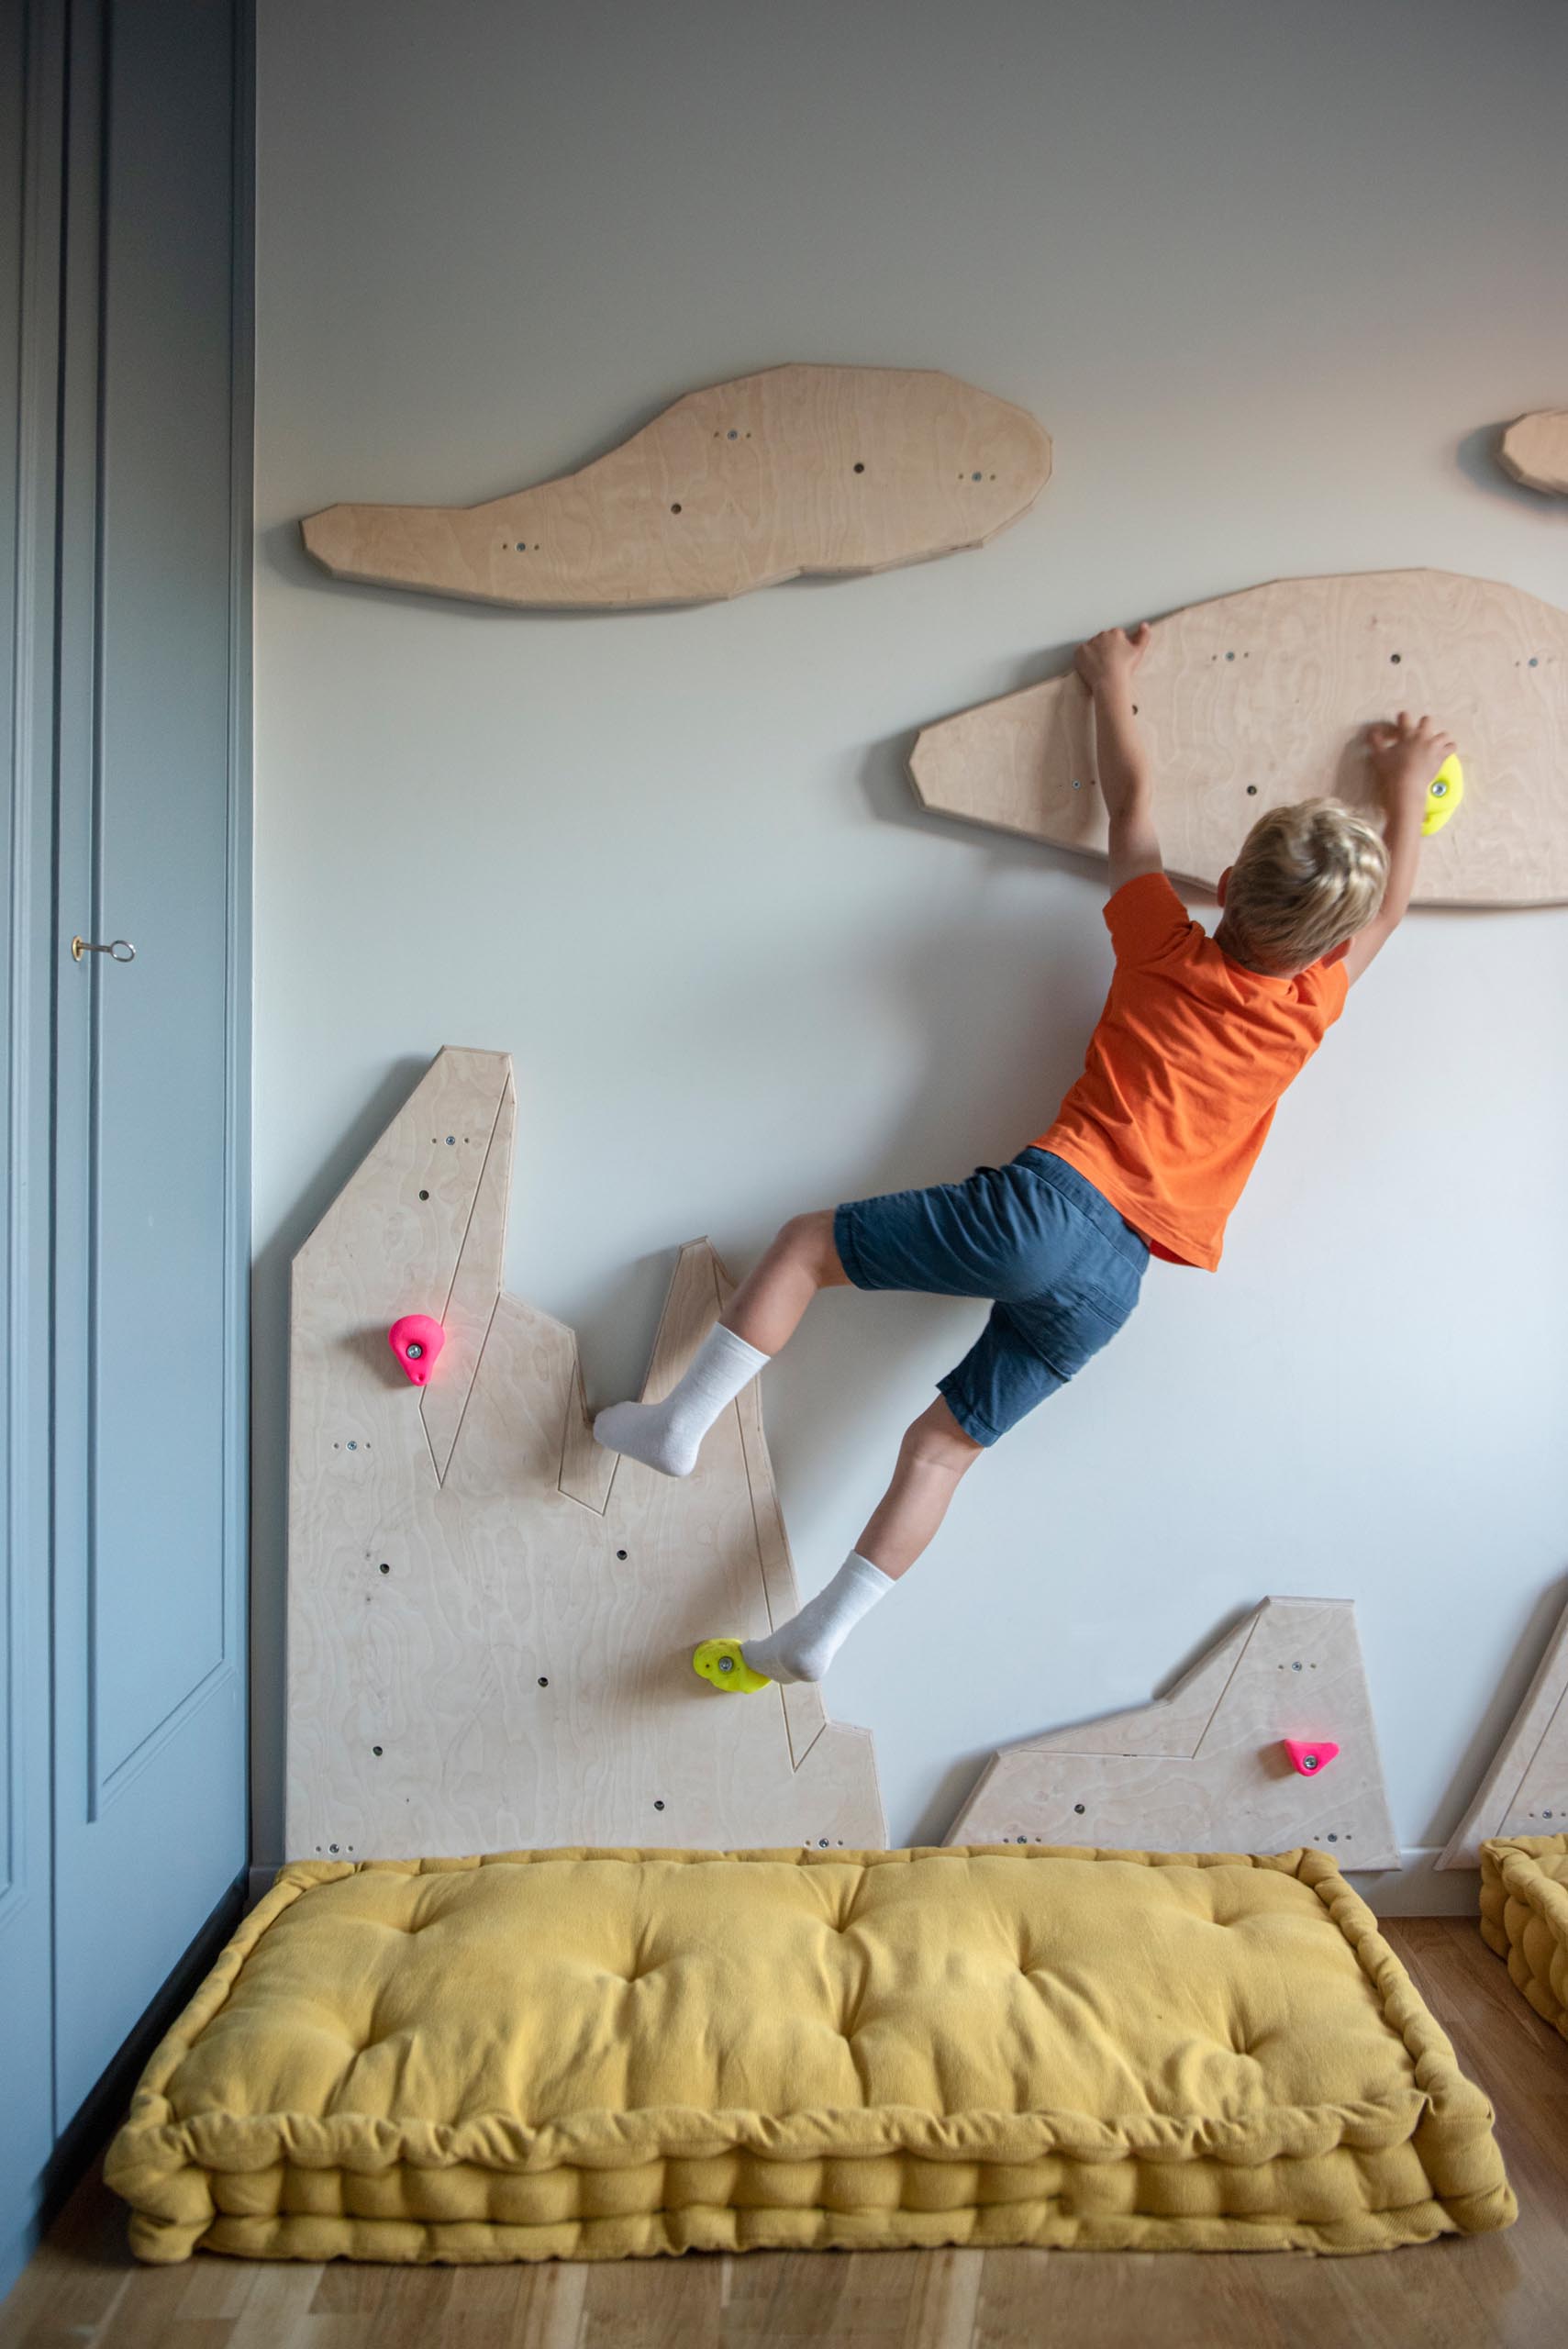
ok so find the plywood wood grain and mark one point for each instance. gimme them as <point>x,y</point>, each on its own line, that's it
<point>1525,1792</point>
<point>1264,698</point>
<point>813,470</point>
<point>491,1619</point>
<point>1204,1768</point>
<point>1535,450</point>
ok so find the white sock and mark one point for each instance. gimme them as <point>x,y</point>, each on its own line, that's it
<point>803,1648</point>
<point>667,1435</point>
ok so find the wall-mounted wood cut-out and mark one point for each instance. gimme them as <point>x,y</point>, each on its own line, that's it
<point>1264,697</point>
<point>798,470</point>
<point>1535,450</point>
<point>1205,1768</point>
<point>1525,1792</point>
<point>491,1619</point>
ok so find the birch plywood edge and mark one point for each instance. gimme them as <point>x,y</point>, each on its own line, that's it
<point>1525,1792</point>
<point>491,1619</point>
<point>1262,698</point>
<point>1204,1768</point>
<point>800,470</point>
<point>1535,450</point>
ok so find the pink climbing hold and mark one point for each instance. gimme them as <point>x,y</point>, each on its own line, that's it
<point>1310,1757</point>
<point>417,1341</point>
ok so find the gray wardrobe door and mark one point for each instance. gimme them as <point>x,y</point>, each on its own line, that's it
<point>152,1069</point>
<point>30,82</point>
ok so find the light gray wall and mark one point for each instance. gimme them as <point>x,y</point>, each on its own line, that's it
<point>1271,278</point>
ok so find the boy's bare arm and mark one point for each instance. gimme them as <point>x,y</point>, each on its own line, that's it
<point>1107,664</point>
<point>1404,757</point>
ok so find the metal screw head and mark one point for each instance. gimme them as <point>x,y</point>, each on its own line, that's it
<point>415,1350</point>
<point>726,1664</point>
<point>1439,790</point>
<point>1309,1761</point>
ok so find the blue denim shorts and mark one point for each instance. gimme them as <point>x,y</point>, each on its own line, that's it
<point>1062,1267</point>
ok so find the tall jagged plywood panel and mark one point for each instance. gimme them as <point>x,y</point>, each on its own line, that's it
<point>491,1619</point>
<point>1525,1792</point>
<point>1264,698</point>
<point>1204,1768</point>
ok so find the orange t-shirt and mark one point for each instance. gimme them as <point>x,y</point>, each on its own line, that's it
<point>1181,1076</point>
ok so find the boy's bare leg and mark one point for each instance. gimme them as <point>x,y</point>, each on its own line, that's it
<point>932,1459</point>
<point>766,1308</point>
<point>764,1311</point>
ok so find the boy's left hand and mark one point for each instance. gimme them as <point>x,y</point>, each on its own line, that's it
<point>1406,756</point>
<point>1110,658</point>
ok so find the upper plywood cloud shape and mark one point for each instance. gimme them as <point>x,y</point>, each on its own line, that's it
<point>798,470</point>
<point>1264,697</point>
<point>1535,450</point>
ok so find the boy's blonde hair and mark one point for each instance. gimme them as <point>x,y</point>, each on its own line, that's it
<point>1307,877</point>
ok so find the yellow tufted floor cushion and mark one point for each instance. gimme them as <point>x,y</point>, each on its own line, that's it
<point>603,2055</point>
<point>1524,1917</point>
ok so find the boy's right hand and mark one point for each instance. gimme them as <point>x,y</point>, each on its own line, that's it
<point>1405,755</point>
<point>1110,658</point>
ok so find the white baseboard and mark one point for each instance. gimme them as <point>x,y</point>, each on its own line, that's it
<point>1416,1890</point>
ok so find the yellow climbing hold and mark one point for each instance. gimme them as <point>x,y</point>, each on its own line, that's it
<point>1444,793</point>
<point>721,1662</point>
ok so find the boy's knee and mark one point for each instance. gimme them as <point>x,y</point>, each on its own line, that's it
<point>810,1239</point>
<point>937,1441</point>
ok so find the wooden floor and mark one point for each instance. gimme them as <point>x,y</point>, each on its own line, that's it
<point>1510,2289</point>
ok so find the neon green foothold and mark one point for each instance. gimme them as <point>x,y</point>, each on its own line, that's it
<point>1444,793</point>
<point>721,1662</point>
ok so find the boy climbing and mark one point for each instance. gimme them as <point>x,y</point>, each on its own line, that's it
<point>1148,1154</point>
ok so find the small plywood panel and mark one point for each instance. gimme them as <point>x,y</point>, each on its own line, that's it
<point>1264,697</point>
<point>491,1619</point>
<point>797,469</point>
<point>1204,1768</point>
<point>1525,1792</point>
<point>1535,450</point>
